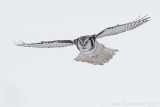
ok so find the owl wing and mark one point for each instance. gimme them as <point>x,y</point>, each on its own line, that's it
<point>47,44</point>
<point>123,27</point>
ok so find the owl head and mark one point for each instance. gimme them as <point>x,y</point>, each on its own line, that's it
<point>85,43</point>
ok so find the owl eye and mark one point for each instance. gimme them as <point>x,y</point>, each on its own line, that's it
<point>80,43</point>
<point>86,42</point>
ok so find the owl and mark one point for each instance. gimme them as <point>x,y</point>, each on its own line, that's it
<point>91,51</point>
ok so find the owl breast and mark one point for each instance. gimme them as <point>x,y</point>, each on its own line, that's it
<point>98,56</point>
<point>95,51</point>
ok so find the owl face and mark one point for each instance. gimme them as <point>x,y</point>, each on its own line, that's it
<point>84,43</point>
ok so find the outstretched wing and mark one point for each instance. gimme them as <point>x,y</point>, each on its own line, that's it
<point>47,44</point>
<point>122,28</point>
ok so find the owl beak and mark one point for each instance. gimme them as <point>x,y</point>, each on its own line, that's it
<point>83,45</point>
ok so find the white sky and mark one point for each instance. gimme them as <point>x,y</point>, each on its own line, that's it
<point>31,77</point>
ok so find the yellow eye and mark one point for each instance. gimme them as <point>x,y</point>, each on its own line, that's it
<point>86,42</point>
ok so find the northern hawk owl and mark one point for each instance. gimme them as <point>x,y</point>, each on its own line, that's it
<point>91,50</point>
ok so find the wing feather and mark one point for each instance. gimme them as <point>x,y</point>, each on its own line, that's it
<point>123,27</point>
<point>47,44</point>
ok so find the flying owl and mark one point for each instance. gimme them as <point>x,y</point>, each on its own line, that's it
<point>91,51</point>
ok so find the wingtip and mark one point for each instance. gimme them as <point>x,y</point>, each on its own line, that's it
<point>144,18</point>
<point>18,43</point>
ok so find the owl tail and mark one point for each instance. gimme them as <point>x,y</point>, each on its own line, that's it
<point>100,59</point>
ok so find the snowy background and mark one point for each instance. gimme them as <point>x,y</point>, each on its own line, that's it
<point>31,77</point>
